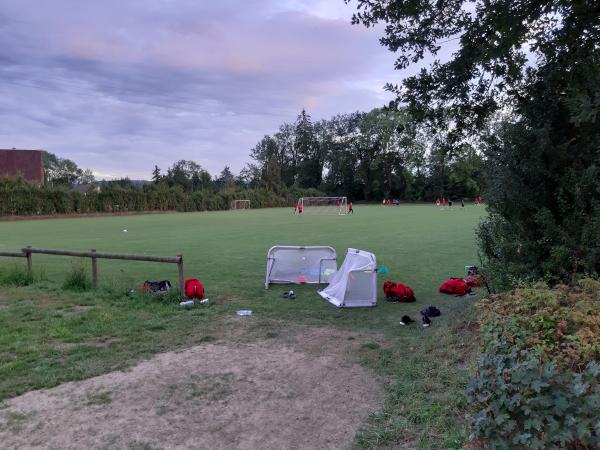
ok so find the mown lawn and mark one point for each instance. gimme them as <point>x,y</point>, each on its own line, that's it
<point>49,335</point>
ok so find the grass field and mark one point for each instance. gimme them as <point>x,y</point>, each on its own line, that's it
<point>49,335</point>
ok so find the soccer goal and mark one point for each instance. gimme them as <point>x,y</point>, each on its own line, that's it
<point>300,265</point>
<point>240,204</point>
<point>322,205</point>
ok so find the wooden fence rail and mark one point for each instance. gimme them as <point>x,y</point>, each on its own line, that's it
<point>27,252</point>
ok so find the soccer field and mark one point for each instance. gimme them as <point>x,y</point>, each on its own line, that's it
<point>421,245</point>
<point>49,335</point>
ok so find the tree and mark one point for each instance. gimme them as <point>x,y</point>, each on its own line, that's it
<point>188,175</point>
<point>156,176</point>
<point>226,179</point>
<point>310,164</point>
<point>87,177</point>
<point>60,171</point>
<point>539,60</point>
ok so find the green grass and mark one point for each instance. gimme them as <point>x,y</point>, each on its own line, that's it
<point>49,335</point>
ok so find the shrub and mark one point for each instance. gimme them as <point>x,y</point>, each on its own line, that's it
<point>16,276</point>
<point>77,279</point>
<point>538,379</point>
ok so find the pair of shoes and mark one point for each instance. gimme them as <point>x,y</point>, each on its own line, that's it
<point>291,295</point>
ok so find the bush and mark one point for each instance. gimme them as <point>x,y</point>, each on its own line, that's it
<point>77,279</point>
<point>16,276</point>
<point>538,379</point>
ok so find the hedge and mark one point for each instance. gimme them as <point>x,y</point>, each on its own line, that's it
<point>18,197</point>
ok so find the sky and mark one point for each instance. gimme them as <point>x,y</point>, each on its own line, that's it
<point>121,85</point>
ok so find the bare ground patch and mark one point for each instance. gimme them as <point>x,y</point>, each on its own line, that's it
<point>288,390</point>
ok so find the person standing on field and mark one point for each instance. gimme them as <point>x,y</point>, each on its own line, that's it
<point>350,210</point>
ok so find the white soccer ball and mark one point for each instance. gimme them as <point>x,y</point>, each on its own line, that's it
<point>124,231</point>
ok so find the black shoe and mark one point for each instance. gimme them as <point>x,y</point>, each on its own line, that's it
<point>406,320</point>
<point>286,294</point>
<point>426,321</point>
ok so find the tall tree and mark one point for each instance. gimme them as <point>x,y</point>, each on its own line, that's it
<point>226,179</point>
<point>541,60</point>
<point>310,169</point>
<point>156,175</point>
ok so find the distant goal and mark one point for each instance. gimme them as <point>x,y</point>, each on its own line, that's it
<point>240,204</point>
<point>322,205</point>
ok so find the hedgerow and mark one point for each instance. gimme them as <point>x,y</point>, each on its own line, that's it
<point>18,197</point>
<point>538,380</point>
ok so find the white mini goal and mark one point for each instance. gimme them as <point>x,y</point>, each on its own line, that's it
<point>355,284</point>
<point>300,265</point>
<point>240,204</point>
<point>322,205</point>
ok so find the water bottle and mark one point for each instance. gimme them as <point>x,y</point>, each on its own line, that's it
<point>187,303</point>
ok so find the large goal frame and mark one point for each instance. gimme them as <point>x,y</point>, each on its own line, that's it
<point>240,204</point>
<point>322,205</point>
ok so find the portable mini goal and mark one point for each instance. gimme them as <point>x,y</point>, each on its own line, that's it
<point>240,204</point>
<point>300,265</point>
<point>355,284</point>
<point>322,205</point>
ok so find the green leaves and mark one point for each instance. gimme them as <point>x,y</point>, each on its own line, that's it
<point>531,391</point>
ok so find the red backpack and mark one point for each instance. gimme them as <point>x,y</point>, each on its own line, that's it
<point>193,288</point>
<point>455,286</point>
<point>398,292</point>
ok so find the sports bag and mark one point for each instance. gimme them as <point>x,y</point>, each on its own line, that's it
<point>156,287</point>
<point>455,286</point>
<point>193,288</point>
<point>398,292</point>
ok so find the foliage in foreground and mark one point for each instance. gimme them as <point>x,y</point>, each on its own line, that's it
<point>538,380</point>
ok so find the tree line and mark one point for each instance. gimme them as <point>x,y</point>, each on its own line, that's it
<point>368,156</point>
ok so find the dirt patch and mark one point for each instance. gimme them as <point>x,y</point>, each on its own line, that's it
<point>291,391</point>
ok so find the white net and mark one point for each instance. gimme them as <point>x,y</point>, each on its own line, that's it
<point>355,284</point>
<point>322,205</point>
<point>240,204</point>
<point>300,265</point>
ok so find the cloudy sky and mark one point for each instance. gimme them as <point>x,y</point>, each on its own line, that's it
<point>121,85</point>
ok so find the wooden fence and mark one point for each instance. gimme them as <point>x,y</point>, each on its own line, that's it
<point>27,252</point>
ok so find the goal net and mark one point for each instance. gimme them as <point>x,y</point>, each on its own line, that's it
<point>322,205</point>
<point>240,204</point>
<point>300,265</point>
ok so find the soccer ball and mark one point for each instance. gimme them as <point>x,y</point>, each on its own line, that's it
<point>124,231</point>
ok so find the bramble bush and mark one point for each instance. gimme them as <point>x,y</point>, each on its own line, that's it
<point>538,380</point>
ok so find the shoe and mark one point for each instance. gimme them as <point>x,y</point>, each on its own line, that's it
<point>292,296</point>
<point>426,321</point>
<point>406,320</point>
<point>286,294</point>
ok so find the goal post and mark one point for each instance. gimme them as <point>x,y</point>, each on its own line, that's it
<point>240,204</point>
<point>322,205</point>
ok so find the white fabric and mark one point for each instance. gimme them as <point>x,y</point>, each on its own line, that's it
<point>355,283</point>
<point>299,265</point>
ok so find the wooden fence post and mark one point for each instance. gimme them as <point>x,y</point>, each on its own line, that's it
<point>180,267</point>
<point>29,262</point>
<point>94,270</point>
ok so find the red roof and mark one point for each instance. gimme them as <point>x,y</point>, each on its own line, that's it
<point>28,164</point>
